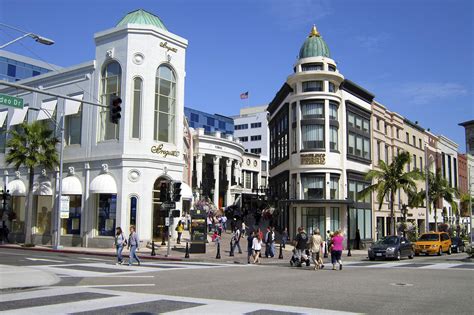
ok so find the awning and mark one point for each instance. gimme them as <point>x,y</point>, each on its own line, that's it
<point>186,191</point>
<point>18,116</point>
<point>3,115</point>
<point>43,188</point>
<point>72,107</point>
<point>103,184</point>
<point>47,110</point>
<point>72,186</point>
<point>16,188</point>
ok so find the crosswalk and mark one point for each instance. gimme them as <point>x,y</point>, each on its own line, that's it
<point>89,300</point>
<point>412,265</point>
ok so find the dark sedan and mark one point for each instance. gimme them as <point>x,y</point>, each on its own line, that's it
<point>394,247</point>
<point>457,245</point>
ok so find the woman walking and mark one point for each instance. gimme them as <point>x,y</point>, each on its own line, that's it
<point>133,244</point>
<point>315,247</point>
<point>179,229</point>
<point>257,247</point>
<point>336,249</point>
<point>120,243</point>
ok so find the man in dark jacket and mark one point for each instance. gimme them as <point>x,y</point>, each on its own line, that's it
<point>300,242</point>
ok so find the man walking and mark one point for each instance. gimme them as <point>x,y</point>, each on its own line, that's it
<point>300,244</point>
<point>269,242</point>
<point>236,240</point>
<point>133,244</point>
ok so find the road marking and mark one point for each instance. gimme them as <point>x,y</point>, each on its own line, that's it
<point>119,276</point>
<point>98,259</point>
<point>43,259</point>
<point>117,285</point>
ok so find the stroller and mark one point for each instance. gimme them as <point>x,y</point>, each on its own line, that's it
<point>305,259</point>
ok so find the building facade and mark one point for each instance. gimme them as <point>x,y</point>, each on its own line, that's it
<point>14,67</point>
<point>114,173</point>
<point>209,122</point>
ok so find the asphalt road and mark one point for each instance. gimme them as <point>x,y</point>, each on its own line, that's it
<point>425,285</point>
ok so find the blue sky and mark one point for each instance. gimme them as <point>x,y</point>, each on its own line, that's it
<point>416,56</point>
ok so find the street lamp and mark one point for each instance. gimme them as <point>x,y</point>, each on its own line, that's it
<point>38,38</point>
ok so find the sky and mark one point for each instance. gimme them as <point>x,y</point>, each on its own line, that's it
<point>415,56</point>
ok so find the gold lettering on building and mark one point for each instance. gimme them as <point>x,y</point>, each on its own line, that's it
<point>165,46</point>
<point>158,149</point>
<point>313,159</point>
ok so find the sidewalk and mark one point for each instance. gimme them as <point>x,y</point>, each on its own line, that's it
<point>14,277</point>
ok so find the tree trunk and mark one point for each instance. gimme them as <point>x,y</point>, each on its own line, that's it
<point>29,207</point>
<point>392,214</point>
<point>435,217</point>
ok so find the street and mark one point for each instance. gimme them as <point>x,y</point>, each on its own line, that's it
<point>95,285</point>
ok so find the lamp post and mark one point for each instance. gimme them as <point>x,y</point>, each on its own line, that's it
<point>38,38</point>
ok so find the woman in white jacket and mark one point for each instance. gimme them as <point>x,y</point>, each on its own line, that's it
<point>256,247</point>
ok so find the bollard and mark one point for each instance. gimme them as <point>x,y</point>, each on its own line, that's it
<point>349,251</point>
<point>281,252</point>
<point>231,252</point>
<point>153,248</point>
<point>163,239</point>
<point>325,250</point>
<point>218,255</point>
<point>187,251</point>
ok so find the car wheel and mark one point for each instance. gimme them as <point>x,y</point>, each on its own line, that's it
<point>440,252</point>
<point>399,255</point>
<point>417,254</point>
<point>411,256</point>
<point>449,250</point>
<point>371,258</point>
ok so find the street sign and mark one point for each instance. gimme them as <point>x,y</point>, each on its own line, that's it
<point>168,205</point>
<point>167,221</point>
<point>11,101</point>
<point>64,207</point>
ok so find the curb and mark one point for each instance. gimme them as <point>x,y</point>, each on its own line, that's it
<point>66,251</point>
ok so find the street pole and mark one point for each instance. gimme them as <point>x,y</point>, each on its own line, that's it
<point>57,235</point>
<point>427,195</point>
<point>470,197</point>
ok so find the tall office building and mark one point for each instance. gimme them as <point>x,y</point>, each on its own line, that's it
<point>15,67</point>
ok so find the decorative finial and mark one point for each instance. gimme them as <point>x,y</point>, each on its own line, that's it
<point>105,168</point>
<point>314,32</point>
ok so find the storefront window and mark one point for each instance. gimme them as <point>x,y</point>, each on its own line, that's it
<point>334,192</point>
<point>312,136</point>
<point>313,186</point>
<point>313,218</point>
<point>361,219</point>
<point>72,225</point>
<point>17,215</point>
<point>44,207</point>
<point>106,211</point>
<point>335,223</point>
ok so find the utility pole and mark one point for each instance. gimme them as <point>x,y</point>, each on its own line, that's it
<point>427,187</point>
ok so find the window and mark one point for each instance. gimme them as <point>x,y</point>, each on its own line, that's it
<point>133,210</point>
<point>455,168</point>
<point>358,134</point>
<point>165,103</point>
<point>313,219</point>
<point>279,142</point>
<point>355,187</point>
<point>351,146</point>
<point>421,163</point>
<point>72,225</point>
<point>293,112</point>
<point>244,139</point>
<point>359,146</point>
<point>241,127</point>
<point>386,154</point>
<point>73,128</point>
<point>211,121</point>
<point>351,119</point>
<point>333,138</point>
<point>111,86</point>
<point>414,161</point>
<point>379,157</point>
<point>419,143</point>
<point>313,86</point>
<point>35,73</point>
<point>248,180</point>
<point>106,214</point>
<point>222,125</point>
<point>43,214</point>
<point>313,186</point>
<point>408,138</point>
<point>333,106</point>
<point>361,219</point>
<point>414,141</point>
<point>137,104</point>
<point>312,67</point>
<point>315,109</point>
<point>332,68</point>
<point>194,117</point>
<point>335,219</point>
<point>334,188</point>
<point>378,124</point>
<point>255,138</point>
<point>264,166</point>
<point>332,87</point>
<point>256,150</point>
<point>256,125</point>
<point>385,129</point>
<point>312,136</point>
<point>398,133</point>
<point>11,71</point>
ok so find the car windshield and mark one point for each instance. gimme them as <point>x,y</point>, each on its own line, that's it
<point>429,237</point>
<point>390,240</point>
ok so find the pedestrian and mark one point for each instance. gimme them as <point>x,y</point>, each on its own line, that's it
<point>216,237</point>
<point>336,249</point>
<point>236,240</point>
<point>133,245</point>
<point>315,243</point>
<point>328,241</point>
<point>284,237</point>
<point>179,228</point>
<point>224,222</point>
<point>188,221</point>
<point>260,233</point>
<point>120,242</point>
<point>243,228</point>
<point>357,239</point>
<point>256,247</point>
<point>300,243</point>
<point>209,224</point>
<point>249,246</point>
<point>269,240</point>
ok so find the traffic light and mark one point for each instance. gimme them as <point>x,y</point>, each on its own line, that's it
<point>176,191</point>
<point>115,109</point>
<point>164,192</point>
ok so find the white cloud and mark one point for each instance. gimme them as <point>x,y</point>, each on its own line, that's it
<point>424,93</point>
<point>295,13</point>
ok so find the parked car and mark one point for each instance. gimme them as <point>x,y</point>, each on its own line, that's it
<point>391,247</point>
<point>470,249</point>
<point>457,245</point>
<point>433,243</point>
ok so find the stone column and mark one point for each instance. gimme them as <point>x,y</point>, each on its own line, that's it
<point>216,180</point>
<point>199,159</point>
<point>228,173</point>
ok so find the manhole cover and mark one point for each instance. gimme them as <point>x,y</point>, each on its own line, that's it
<point>400,284</point>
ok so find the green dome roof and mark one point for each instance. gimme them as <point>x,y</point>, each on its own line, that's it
<point>314,46</point>
<point>142,17</point>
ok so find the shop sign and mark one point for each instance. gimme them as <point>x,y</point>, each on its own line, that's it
<point>313,159</point>
<point>64,207</point>
<point>158,149</point>
<point>165,46</point>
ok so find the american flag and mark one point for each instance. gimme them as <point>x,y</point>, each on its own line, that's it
<point>244,95</point>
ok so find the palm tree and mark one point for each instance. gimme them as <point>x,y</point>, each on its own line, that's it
<point>438,189</point>
<point>31,145</point>
<point>389,179</point>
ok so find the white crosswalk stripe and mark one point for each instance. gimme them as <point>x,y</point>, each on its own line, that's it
<point>412,264</point>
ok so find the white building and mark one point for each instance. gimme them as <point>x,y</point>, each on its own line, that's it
<point>320,131</point>
<point>113,173</point>
<point>251,128</point>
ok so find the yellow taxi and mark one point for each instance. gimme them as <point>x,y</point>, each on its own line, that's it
<point>433,243</point>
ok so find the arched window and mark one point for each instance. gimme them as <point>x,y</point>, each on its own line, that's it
<point>136,109</point>
<point>111,82</point>
<point>133,210</point>
<point>165,104</point>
